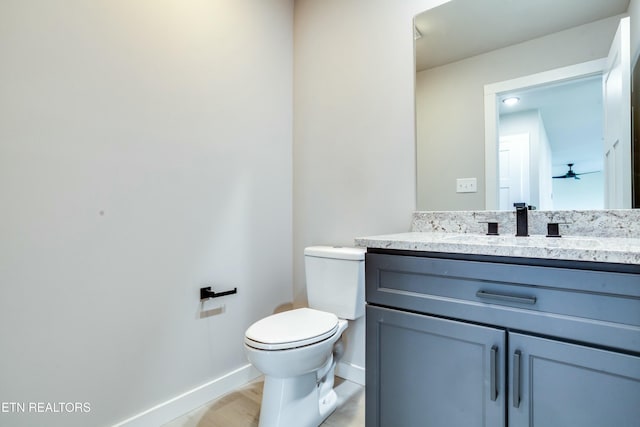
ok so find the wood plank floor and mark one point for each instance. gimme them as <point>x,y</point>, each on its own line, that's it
<point>241,408</point>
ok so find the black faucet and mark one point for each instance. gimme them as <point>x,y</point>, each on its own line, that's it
<point>522,224</point>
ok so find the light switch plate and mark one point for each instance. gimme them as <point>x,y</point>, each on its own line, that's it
<point>466,185</point>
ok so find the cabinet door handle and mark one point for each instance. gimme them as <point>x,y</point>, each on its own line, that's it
<point>505,297</point>
<point>494,372</point>
<point>516,379</point>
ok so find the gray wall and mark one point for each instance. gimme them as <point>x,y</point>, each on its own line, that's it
<point>354,140</point>
<point>145,150</point>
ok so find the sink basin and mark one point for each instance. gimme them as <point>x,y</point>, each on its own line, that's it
<point>582,241</point>
<point>475,238</point>
<point>535,240</point>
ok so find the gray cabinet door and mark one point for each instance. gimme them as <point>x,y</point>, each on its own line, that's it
<point>432,372</point>
<point>557,384</point>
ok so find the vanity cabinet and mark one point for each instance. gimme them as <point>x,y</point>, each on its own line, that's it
<point>433,371</point>
<point>456,340</point>
<point>554,383</point>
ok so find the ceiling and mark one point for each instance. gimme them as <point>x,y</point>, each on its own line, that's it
<point>462,28</point>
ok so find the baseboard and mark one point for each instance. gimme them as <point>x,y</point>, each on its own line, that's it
<point>192,399</point>
<point>351,372</point>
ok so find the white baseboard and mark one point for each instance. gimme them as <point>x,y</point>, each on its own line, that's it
<point>351,372</point>
<point>192,399</point>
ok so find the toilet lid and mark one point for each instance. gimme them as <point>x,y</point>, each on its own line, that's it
<point>295,328</point>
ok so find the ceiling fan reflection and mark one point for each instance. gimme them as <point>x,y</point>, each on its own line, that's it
<point>571,174</point>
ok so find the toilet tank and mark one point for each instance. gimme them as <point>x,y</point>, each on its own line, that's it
<point>335,280</point>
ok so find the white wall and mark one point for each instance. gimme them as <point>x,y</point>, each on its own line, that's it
<point>145,150</point>
<point>579,194</point>
<point>354,139</point>
<point>634,13</point>
<point>545,172</point>
<point>530,122</point>
<point>450,107</point>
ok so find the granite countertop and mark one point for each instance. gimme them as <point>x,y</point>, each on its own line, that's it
<point>623,250</point>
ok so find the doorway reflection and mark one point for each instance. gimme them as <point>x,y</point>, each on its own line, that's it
<point>563,123</point>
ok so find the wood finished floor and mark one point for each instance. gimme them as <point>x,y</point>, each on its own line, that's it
<point>241,408</point>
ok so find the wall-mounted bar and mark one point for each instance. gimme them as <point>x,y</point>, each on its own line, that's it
<point>206,293</point>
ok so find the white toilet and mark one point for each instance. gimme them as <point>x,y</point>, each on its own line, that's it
<point>297,350</point>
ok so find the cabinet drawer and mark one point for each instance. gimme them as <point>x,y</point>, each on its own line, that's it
<point>571,303</point>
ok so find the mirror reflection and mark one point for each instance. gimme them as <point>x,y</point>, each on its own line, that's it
<point>550,122</point>
<point>466,47</point>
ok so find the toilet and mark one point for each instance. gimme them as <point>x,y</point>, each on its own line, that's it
<point>297,350</point>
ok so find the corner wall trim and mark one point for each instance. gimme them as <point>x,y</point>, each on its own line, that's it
<point>350,372</point>
<point>181,404</point>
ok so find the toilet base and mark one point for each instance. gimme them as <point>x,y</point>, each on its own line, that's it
<point>302,401</point>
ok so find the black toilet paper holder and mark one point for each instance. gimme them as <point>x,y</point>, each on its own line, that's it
<point>206,293</point>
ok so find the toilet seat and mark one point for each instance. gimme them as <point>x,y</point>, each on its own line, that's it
<point>291,329</point>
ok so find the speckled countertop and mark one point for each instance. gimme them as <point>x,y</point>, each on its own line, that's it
<point>612,238</point>
<point>599,249</point>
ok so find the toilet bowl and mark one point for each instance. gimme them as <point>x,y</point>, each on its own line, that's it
<point>298,385</point>
<point>297,350</point>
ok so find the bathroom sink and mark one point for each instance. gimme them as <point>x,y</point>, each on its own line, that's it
<point>581,241</point>
<point>535,240</point>
<point>475,239</point>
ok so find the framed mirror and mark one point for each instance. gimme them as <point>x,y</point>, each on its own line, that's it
<point>464,46</point>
